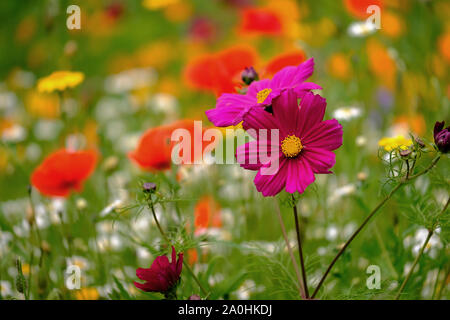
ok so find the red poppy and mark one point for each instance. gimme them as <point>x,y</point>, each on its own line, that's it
<point>154,150</point>
<point>358,8</point>
<point>291,58</point>
<point>206,214</point>
<point>218,72</point>
<point>62,171</point>
<point>162,275</point>
<point>260,21</point>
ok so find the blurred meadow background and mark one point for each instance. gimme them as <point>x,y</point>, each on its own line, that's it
<point>136,58</point>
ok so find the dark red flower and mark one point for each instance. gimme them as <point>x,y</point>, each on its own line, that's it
<point>62,171</point>
<point>162,276</point>
<point>442,137</point>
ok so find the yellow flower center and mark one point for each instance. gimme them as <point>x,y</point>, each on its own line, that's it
<point>291,146</point>
<point>262,95</point>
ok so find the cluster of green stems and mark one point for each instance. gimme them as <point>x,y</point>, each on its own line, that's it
<point>302,276</point>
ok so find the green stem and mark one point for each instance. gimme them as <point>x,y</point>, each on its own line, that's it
<point>385,252</point>
<point>186,265</point>
<point>374,211</point>
<point>291,254</point>
<point>397,296</point>
<point>300,250</point>
<point>443,284</point>
<point>430,233</point>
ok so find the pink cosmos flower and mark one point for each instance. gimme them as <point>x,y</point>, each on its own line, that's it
<point>162,276</point>
<point>303,147</point>
<point>231,107</point>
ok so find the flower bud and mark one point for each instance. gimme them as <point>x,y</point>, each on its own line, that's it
<point>195,297</point>
<point>442,137</point>
<point>405,153</point>
<point>21,284</point>
<point>249,75</point>
<point>149,187</point>
<point>420,142</point>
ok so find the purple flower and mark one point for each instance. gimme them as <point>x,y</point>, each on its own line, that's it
<point>231,107</point>
<point>442,137</point>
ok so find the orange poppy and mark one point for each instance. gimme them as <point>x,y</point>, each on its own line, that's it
<point>62,171</point>
<point>291,58</point>
<point>192,256</point>
<point>154,150</point>
<point>206,214</point>
<point>358,8</point>
<point>217,72</point>
<point>260,21</point>
<point>444,46</point>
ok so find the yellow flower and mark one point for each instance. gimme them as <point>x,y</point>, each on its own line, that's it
<point>157,4</point>
<point>42,104</point>
<point>391,143</point>
<point>87,294</point>
<point>60,80</point>
<point>26,269</point>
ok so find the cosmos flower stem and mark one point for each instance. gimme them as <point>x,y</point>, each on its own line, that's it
<point>422,250</point>
<point>407,170</point>
<point>430,233</point>
<point>384,251</point>
<point>443,284</point>
<point>36,228</point>
<point>291,254</point>
<point>300,250</point>
<point>374,211</point>
<point>186,265</point>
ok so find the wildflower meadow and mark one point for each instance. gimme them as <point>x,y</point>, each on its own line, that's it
<point>224,150</point>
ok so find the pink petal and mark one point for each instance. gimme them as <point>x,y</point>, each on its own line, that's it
<point>257,86</point>
<point>292,76</point>
<point>301,89</point>
<point>326,135</point>
<point>257,118</point>
<point>312,110</point>
<point>249,155</point>
<point>229,109</point>
<point>300,175</point>
<point>271,185</point>
<point>320,160</point>
<point>286,111</point>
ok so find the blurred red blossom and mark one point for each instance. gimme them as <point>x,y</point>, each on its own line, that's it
<point>62,171</point>
<point>206,214</point>
<point>358,8</point>
<point>260,21</point>
<point>219,72</point>
<point>154,149</point>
